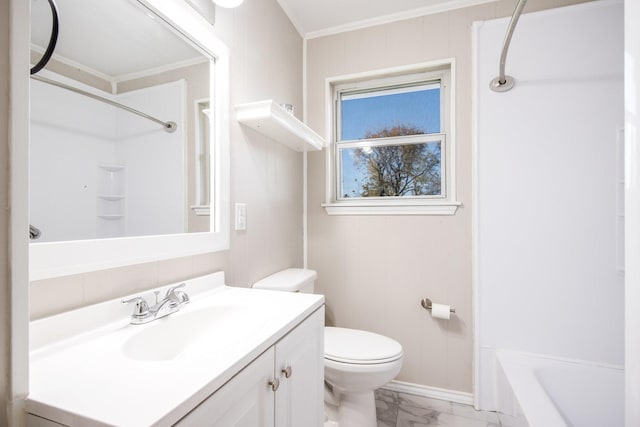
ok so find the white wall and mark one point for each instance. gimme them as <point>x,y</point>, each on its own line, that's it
<point>548,190</point>
<point>154,160</point>
<point>632,214</point>
<point>72,135</point>
<point>5,301</point>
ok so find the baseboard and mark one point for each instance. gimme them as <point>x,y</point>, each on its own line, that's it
<point>431,392</point>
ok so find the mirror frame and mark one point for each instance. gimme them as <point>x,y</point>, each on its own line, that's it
<point>56,259</point>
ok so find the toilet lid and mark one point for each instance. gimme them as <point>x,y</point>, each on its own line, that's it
<point>355,346</point>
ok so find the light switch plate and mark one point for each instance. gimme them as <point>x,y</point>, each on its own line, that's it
<point>241,216</point>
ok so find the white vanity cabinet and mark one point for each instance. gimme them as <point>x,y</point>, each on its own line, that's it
<point>246,400</point>
<point>283,387</point>
<point>231,357</point>
<point>300,369</point>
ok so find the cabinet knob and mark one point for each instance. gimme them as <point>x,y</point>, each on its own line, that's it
<point>274,383</point>
<point>287,372</point>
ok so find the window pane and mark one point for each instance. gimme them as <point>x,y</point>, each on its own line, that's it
<point>390,112</point>
<point>408,170</point>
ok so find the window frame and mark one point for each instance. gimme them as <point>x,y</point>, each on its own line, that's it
<point>444,204</point>
<point>203,110</point>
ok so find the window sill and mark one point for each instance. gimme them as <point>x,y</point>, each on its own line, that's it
<point>432,208</point>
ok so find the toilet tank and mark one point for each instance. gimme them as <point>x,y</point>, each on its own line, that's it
<point>289,280</point>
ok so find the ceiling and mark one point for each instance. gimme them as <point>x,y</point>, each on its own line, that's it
<point>94,36</point>
<point>314,18</point>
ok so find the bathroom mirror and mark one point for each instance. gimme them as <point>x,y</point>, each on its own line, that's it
<point>100,171</point>
<point>124,166</point>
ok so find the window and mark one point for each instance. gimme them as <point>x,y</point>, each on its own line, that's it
<point>392,144</point>
<point>202,157</point>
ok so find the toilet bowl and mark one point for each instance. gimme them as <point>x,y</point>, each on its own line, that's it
<point>356,362</point>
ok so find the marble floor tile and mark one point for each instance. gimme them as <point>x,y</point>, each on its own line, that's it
<point>409,416</point>
<point>395,409</point>
<point>509,421</point>
<point>387,412</point>
<point>470,412</point>
<point>424,402</point>
<point>437,419</point>
<point>389,396</point>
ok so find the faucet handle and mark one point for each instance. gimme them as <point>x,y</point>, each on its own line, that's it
<point>141,309</point>
<point>173,288</point>
<point>174,294</point>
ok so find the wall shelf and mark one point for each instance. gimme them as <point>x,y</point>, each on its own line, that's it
<point>272,120</point>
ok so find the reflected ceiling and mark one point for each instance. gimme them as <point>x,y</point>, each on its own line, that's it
<point>116,46</point>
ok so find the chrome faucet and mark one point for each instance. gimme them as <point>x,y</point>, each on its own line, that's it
<point>171,303</point>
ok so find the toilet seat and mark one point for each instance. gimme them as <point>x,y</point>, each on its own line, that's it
<point>358,347</point>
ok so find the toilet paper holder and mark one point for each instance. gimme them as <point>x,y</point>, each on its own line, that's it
<point>426,304</point>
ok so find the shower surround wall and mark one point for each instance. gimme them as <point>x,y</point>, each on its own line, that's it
<point>70,135</point>
<point>75,144</point>
<point>154,160</point>
<point>550,189</point>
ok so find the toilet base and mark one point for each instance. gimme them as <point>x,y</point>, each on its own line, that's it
<point>352,410</point>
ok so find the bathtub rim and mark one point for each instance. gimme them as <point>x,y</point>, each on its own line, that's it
<point>519,371</point>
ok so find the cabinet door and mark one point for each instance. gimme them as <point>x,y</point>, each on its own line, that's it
<point>247,400</point>
<point>300,368</point>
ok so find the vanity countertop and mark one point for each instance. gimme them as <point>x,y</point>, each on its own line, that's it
<point>91,367</point>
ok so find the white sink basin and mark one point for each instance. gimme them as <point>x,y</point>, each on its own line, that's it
<point>181,334</point>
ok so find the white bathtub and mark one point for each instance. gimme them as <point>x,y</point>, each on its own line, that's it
<point>551,392</point>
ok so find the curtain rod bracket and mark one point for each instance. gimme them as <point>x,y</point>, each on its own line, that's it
<point>502,86</point>
<point>170,127</point>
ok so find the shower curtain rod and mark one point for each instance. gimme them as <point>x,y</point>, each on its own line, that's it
<point>168,126</point>
<point>503,83</point>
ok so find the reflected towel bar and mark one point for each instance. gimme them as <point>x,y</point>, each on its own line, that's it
<point>168,126</point>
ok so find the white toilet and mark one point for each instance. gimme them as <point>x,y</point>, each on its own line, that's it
<point>355,362</point>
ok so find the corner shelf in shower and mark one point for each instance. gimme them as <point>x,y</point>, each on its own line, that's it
<point>111,199</point>
<point>112,167</point>
<point>111,217</point>
<point>272,120</point>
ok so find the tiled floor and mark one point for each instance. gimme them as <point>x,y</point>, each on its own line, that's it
<point>405,410</point>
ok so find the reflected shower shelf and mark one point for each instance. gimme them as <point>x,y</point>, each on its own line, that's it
<point>112,167</point>
<point>272,120</point>
<point>111,197</point>
<point>111,216</point>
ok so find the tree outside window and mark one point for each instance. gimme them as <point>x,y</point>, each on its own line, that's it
<point>396,170</point>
